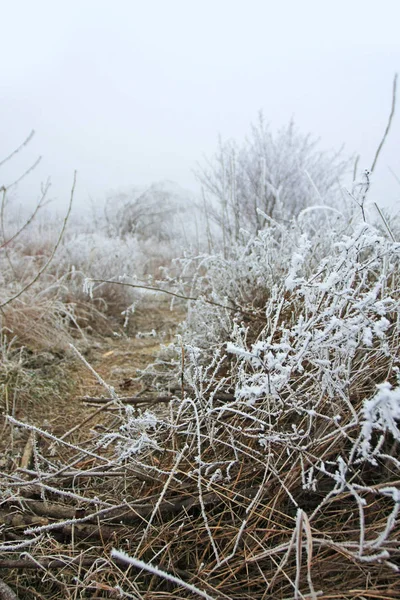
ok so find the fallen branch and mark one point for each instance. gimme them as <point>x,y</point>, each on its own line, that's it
<point>6,592</point>
<point>64,529</point>
<point>127,400</point>
<point>224,396</point>
<point>126,514</point>
<point>75,474</point>
<point>89,418</point>
<point>48,563</point>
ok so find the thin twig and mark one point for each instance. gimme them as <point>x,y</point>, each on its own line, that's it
<point>27,222</point>
<point>386,224</point>
<point>175,295</point>
<point>388,124</point>
<point>25,143</point>
<point>89,418</point>
<point>45,266</point>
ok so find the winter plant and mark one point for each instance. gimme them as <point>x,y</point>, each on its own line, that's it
<point>264,464</point>
<point>267,175</point>
<point>289,406</point>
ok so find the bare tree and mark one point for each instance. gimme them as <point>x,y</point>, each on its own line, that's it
<point>274,175</point>
<point>154,213</point>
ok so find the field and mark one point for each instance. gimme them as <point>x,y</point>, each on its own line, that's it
<point>219,421</point>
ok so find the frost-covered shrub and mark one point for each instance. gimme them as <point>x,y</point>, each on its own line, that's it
<point>268,175</point>
<point>139,234</point>
<point>162,212</point>
<point>288,400</point>
<point>254,278</point>
<point>290,306</point>
<point>100,257</point>
<point>343,307</point>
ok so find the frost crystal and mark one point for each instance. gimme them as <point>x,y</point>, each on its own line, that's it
<point>135,435</point>
<point>380,413</point>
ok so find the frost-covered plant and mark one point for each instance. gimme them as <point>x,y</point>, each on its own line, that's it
<point>97,256</point>
<point>31,303</point>
<point>282,354</point>
<point>344,306</point>
<point>235,288</point>
<point>135,434</point>
<point>380,414</point>
<point>268,175</point>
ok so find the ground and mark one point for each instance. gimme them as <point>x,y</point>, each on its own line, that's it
<point>50,392</point>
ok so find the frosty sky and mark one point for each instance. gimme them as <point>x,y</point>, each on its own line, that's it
<point>136,91</point>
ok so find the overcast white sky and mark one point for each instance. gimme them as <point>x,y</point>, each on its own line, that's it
<point>135,91</point>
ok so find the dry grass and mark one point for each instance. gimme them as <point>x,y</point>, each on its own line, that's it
<point>38,324</point>
<point>264,477</point>
<point>214,507</point>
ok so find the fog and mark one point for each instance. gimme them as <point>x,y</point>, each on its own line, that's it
<point>128,93</point>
